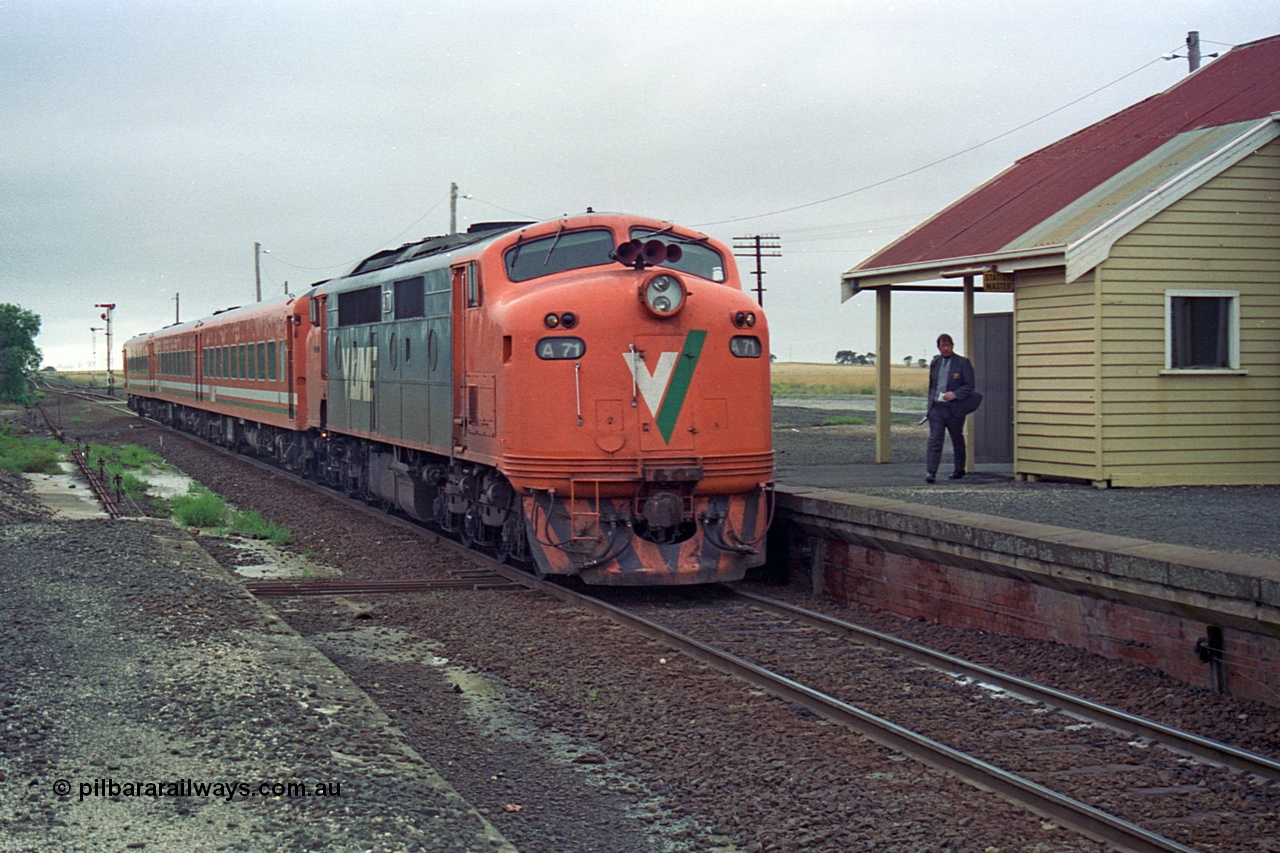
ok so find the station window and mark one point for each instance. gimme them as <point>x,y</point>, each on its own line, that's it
<point>1202,330</point>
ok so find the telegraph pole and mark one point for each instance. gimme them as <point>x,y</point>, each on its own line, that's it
<point>453,208</point>
<point>1193,53</point>
<point>756,246</point>
<point>1193,50</point>
<point>106,315</point>
<point>257,271</point>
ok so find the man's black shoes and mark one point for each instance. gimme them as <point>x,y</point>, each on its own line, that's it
<point>928,478</point>
<point>955,475</point>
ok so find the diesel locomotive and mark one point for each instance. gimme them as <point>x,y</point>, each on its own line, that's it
<point>588,396</point>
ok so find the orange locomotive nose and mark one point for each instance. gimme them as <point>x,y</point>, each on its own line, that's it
<point>645,454</point>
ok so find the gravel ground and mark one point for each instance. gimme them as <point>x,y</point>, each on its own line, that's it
<point>569,734</point>
<point>147,698</point>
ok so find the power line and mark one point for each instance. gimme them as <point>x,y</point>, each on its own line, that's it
<point>935,162</point>
<point>364,255</point>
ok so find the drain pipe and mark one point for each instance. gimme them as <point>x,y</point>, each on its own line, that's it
<point>1210,650</point>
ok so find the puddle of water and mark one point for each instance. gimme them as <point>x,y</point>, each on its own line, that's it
<point>165,482</point>
<point>66,495</point>
<point>273,563</point>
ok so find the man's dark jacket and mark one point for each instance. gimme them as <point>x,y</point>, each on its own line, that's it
<point>960,382</point>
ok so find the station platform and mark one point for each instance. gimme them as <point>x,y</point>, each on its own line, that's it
<point>1186,580</point>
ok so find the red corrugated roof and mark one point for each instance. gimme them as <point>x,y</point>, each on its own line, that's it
<point>1243,84</point>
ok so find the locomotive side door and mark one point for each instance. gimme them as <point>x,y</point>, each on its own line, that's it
<point>462,275</point>
<point>372,372</point>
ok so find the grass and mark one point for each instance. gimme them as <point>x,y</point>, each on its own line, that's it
<point>122,462</point>
<point>199,507</point>
<point>29,455</point>
<point>251,523</point>
<point>844,420</point>
<point>796,379</point>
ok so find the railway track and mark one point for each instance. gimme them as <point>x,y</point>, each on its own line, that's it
<point>744,636</point>
<point>1090,768</point>
<point>111,499</point>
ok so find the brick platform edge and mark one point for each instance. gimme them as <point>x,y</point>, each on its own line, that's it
<point>1210,619</point>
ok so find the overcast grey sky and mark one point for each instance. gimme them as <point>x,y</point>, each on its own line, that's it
<point>145,146</point>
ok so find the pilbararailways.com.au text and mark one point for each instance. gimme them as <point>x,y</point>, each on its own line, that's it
<point>226,790</point>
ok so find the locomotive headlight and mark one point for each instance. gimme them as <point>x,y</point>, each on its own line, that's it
<point>551,320</point>
<point>663,295</point>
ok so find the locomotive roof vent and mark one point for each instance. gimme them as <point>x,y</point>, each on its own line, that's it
<point>481,227</point>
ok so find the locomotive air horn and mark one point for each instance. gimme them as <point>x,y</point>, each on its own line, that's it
<point>633,253</point>
<point>655,252</point>
<point>626,253</point>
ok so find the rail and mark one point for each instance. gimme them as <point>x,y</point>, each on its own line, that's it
<point>1068,812</point>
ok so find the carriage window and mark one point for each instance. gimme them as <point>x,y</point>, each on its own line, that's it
<point>271,361</point>
<point>558,252</point>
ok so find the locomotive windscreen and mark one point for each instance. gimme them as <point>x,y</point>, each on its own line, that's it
<point>559,252</point>
<point>695,259</point>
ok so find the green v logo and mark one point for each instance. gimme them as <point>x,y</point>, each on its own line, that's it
<point>665,388</point>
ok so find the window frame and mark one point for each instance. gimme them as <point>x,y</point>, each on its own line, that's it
<point>1232,368</point>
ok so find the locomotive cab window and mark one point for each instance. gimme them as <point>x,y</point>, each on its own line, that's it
<point>558,252</point>
<point>695,258</point>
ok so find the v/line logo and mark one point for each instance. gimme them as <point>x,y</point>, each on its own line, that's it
<point>665,388</point>
<point>360,367</point>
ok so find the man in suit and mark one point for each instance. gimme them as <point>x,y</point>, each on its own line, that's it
<point>951,383</point>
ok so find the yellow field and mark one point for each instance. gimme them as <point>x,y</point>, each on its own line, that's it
<point>802,379</point>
